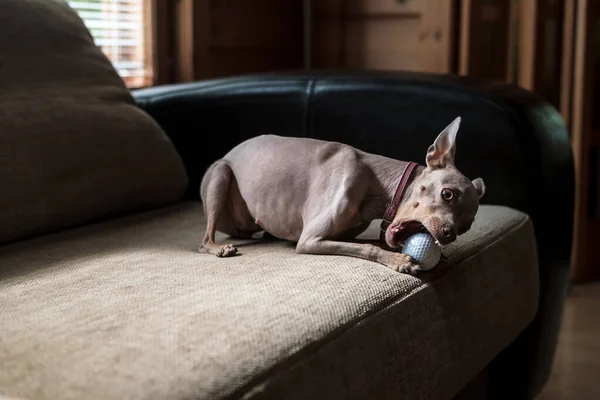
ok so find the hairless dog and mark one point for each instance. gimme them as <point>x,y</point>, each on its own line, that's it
<point>321,195</point>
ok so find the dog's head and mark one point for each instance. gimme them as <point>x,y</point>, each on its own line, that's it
<point>440,199</point>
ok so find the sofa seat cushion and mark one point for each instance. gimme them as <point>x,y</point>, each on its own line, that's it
<point>129,310</point>
<point>74,147</point>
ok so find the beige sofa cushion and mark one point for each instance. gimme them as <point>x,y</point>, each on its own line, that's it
<point>73,145</point>
<point>129,310</point>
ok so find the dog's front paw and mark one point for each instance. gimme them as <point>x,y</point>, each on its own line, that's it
<point>411,269</point>
<point>405,264</point>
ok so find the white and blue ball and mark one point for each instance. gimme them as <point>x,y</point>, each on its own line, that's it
<point>424,249</point>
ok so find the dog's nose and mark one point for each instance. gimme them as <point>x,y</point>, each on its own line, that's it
<point>448,232</point>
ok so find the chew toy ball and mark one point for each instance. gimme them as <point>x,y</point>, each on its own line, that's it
<point>423,248</point>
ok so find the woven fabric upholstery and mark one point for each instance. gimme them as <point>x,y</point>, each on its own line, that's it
<point>129,309</point>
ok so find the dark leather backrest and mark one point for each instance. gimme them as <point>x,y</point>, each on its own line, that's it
<point>511,138</point>
<point>206,119</point>
<point>401,121</point>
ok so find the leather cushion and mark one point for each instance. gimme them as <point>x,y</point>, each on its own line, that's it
<point>74,147</point>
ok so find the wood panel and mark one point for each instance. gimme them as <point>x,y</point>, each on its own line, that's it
<point>550,54</point>
<point>365,47</point>
<point>484,33</point>
<point>568,54</point>
<point>386,7</point>
<point>529,22</point>
<point>219,38</point>
<point>512,67</point>
<point>161,40</point>
<point>439,36</point>
<point>226,61</point>
<point>191,42</point>
<point>413,35</point>
<point>328,31</point>
<point>307,34</point>
<point>465,52</point>
<point>542,58</point>
<point>585,262</point>
<point>256,23</point>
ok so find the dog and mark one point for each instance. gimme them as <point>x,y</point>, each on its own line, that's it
<point>321,195</point>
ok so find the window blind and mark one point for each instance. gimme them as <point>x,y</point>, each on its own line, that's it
<point>119,29</point>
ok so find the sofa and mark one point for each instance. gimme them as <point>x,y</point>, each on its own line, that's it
<point>103,294</point>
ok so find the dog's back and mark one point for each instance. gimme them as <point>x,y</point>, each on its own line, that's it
<point>278,177</point>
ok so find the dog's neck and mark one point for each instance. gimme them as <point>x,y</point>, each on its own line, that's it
<point>387,173</point>
<point>396,200</point>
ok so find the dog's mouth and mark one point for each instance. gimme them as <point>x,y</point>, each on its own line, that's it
<point>398,232</point>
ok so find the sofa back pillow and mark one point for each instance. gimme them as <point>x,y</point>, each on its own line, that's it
<point>74,147</point>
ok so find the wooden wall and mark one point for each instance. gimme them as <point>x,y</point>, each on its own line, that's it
<point>552,48</point>
<point>485,39</point>
<point>543,54</point>
<point>560,60</point>
<point>417,35</point>
<point>585,133</point>
<point>216,38</point>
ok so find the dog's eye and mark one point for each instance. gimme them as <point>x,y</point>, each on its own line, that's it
<point>447,194</point>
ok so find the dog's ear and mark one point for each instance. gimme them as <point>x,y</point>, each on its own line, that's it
<point>441,153</point>
<point>479,186</point>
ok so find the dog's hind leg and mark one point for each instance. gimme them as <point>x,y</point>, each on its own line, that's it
<point>214,192</point>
